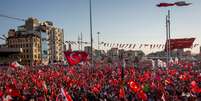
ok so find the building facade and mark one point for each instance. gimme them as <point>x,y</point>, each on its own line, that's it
<point>50,40</point>
<point>56,44</point>
<point>30,45</point>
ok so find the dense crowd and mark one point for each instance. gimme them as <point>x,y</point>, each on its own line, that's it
<point>102,82</point>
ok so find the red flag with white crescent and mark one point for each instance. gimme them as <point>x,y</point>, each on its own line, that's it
<point>75,57</point>
<point>165,4</point>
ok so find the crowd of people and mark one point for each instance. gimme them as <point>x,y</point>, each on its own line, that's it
<point>101,82</point>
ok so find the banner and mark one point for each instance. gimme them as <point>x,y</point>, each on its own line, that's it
<point>180,43</point>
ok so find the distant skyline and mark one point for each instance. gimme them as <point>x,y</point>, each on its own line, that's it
<point>118,21</point>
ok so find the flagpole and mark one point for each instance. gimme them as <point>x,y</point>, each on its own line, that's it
<point>169,35</point>
<point>91,34</point>
<point>98,40</point>
<point>81,41</point>
<point>78,42</point>
<point>167,46</point>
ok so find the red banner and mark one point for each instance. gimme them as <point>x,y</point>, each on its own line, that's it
<point>180,43</point>
<point>165,4</point>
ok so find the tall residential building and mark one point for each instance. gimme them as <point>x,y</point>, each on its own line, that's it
<point>51,38</point>
<point>30,44</point>
<point>56,46</point>
<point>48,38</point>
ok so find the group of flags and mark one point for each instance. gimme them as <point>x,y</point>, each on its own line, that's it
<point>174,44</point>
<point>150,46</point>
<point>76,42</point>
<point>138,86</point>
<point>133,46</point>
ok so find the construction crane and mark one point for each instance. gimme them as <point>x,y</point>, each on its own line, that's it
<point>2,38</point>
<point>9,17</point>
<point>15,18</point>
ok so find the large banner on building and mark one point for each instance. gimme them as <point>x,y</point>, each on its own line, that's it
<point>180,43</point>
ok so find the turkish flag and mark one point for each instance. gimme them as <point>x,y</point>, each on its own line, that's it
<point>180,43</point>
<point>165,4</point>
<point>75,57</point>
<point>121,92</point>
<point>83,55</point>
<point>134,86</point>
<point>142,95</point>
